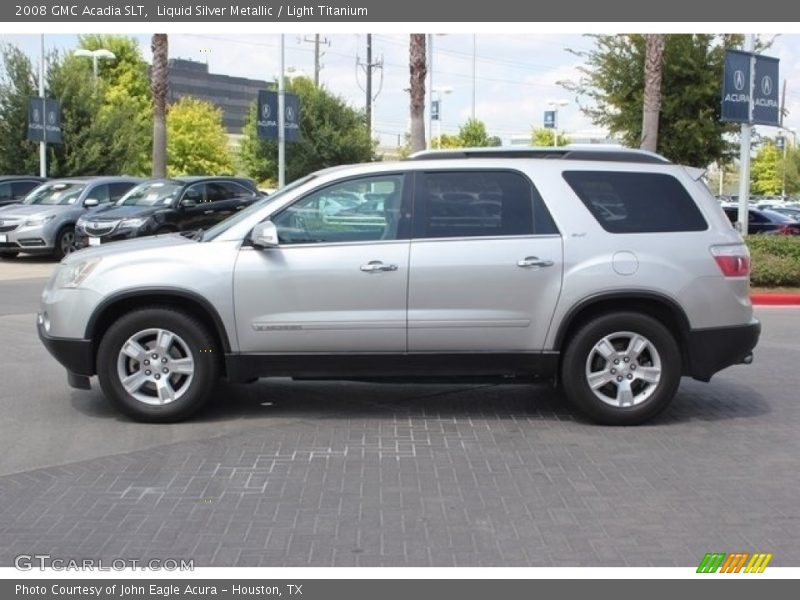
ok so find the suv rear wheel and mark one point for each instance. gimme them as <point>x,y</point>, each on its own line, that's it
<point>158,364</point>
<point>621,368</point>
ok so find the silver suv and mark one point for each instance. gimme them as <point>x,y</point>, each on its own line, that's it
<point>613,273</point>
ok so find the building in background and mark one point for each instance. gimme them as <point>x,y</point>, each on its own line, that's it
<point>234,95</point>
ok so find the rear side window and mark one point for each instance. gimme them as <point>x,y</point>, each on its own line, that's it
<point>624,202</point>
<point>22,188</point>
<point>477,204</point>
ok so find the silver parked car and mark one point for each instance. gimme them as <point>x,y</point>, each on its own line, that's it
<point>44,223</point>
<point>613,273</point>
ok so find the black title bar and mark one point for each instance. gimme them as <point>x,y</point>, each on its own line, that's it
<point>355,11</point>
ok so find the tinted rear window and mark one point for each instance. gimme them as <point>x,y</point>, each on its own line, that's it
<point>476,203</point>
<point>624,202</point>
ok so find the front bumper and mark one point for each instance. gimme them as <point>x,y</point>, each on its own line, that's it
<point>84,240</point>
<point>76,355</point>
<point>711,350</point>
<point>33,240</point>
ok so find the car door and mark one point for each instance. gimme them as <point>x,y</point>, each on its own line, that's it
<point>227,198</point>
<point>193,207</point>
<point>485,263</point>
<point>328,287</point>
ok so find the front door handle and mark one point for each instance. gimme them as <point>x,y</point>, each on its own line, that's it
<point>376,265</point>
<point>208,212</point>
<point>534,261</point>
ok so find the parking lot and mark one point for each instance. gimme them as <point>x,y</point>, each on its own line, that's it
<point>282,473</point>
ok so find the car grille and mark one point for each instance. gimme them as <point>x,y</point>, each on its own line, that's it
<point>100,228</point>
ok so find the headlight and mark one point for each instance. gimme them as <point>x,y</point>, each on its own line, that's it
<point>38,221</point>
<point>73,274</point>
<point>132,223</point>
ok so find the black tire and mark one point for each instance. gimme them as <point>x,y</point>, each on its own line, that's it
<point>8,254</point>
<point>650,398</point>
<point>192,336</point>
<point>65,242</point>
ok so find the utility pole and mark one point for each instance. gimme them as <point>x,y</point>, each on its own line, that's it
<point>317,41</point>
<point>368,67</point>
<point>369,84</point>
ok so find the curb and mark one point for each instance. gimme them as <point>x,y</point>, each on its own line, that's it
<point>775,299</point>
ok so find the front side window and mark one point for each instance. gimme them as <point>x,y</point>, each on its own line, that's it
<point>474,203</point>
<point>5,191</point>
<point>364,209</point>
<point>630,202</point>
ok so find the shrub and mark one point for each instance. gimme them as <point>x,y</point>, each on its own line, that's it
<point>775,260</point>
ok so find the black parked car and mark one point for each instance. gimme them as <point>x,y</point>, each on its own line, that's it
<point>766,221</point>
<point>165,206</point>
<point>13,188</point>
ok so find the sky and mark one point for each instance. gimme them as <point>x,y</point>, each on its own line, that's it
<point>515,75</point>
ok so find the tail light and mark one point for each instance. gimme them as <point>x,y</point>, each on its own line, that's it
<point>784,230</point>
<point>733,261</point>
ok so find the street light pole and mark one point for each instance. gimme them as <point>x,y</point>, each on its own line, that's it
<point>281,123</point>
<point>43,143</point>
<point>555,104</point>
<point>474,52</point>
<point>744,149</point>
<point>445,89</point>
<point>95,55</point>
<point>430,91</point>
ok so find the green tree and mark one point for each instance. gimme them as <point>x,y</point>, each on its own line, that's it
<point>97,139</point>
<point>17,154</point>
<point>446,140</point>
<point>331,133</point>
<point>473,134</point>
<point>196,140</point>
<point>766,173</point>
<point>126,87</point>
<point>613,80</point>
<point>541,136</point>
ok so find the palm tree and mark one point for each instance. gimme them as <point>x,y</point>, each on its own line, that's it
<point>653,66</point>
<point>418,68</point>
<point>160,87</point>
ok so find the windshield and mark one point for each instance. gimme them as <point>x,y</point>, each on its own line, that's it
<point>55,193</point>
<point>158,193</point>
<point>240,216</point>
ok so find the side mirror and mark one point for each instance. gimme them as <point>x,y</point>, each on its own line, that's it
<point>90,202</point>
<point>264,235</point>
<point>188,202</point>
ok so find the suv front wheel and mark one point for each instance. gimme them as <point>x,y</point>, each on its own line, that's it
<point>158,364</point>
<point>621,368</point>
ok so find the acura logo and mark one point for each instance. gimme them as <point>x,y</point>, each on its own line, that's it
<point>290,114</point>
<point>266,111</point>
<point>766,85</point>
<point>738,80</point>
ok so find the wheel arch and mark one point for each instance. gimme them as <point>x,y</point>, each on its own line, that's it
<point>653,304</point>
<point>123,302</point>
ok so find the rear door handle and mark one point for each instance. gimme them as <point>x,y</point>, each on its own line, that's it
<point>376,265</point>
<point>534,261</point>
<point>208,212</point>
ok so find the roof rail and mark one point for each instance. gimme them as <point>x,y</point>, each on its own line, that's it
<point>571,152</point>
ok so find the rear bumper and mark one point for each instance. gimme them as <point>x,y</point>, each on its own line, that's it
<point>76,355</point>
<point>711,350</point>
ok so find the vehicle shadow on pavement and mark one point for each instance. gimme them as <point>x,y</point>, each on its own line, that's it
<point>285,399</point>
